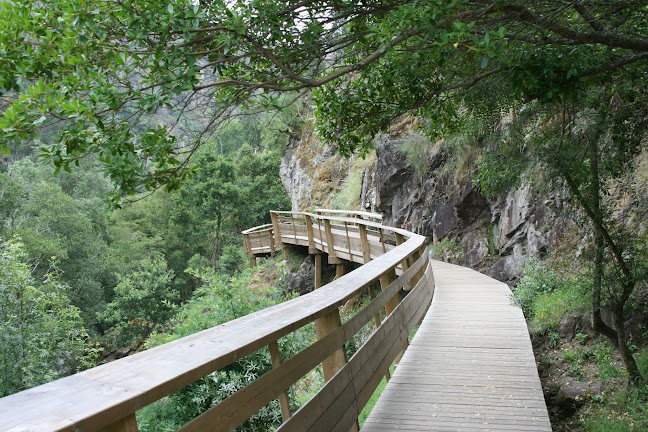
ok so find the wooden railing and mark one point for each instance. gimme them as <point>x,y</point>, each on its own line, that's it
<point>106,397</point>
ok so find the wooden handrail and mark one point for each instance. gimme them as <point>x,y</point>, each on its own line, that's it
<point>106,397</point>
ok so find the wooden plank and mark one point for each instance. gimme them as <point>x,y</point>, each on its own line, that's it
<point>284,403</point>
<point>464,374</point>
<point>127,424</point>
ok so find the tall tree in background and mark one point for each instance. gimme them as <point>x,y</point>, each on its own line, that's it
<point>41,335</point>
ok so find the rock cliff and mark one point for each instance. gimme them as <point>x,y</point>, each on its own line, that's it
<point>492,235</point>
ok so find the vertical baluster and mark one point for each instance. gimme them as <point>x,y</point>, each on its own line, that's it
<point>311,235</point>
<point>275,355</point>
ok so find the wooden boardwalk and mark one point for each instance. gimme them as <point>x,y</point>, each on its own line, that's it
<point>470,366</point>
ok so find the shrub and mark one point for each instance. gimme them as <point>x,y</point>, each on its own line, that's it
<point>218,301</point>
<point>542,289</point>
<point>144,302</point>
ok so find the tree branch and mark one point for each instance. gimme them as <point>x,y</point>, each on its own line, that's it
<point>522,14</point>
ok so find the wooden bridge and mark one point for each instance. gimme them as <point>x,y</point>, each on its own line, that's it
<point>469,367</point>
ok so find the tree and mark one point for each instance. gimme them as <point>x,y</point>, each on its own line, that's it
<point>588,147</point>
<point>144,301</point>
<point>52,223</point>
<point>106,68</point>
<point>41,335</point>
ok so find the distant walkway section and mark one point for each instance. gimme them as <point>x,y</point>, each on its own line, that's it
<point>470,366</point>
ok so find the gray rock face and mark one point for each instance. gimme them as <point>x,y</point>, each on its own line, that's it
<point>494,235</point>
<point>301,281</point>
<point>297,181</point>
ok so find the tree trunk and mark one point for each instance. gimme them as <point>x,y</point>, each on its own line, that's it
<point>634,376</point>
<point>215,252</point>
<point>615,335</point>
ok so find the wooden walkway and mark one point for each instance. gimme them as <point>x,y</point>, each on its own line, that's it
<point>470,366</point>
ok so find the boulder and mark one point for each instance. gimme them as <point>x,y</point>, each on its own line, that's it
<point>301,281</point>
<point>574,393</point>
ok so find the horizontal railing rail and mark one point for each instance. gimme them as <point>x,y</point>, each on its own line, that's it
<point>106,397</point>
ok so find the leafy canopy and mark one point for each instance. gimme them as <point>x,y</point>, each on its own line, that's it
<point>105,70</point>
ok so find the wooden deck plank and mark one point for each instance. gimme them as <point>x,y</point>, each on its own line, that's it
<point>469,367</point>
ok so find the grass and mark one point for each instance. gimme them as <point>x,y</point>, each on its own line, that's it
<point>349,196</point>
<point>551,307</point>
<point>549,296</point>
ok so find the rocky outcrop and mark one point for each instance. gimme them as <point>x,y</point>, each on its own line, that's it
<point>302,280</point>
<point>312,172</point>
<point>496,235</point>
<point>493,235</point>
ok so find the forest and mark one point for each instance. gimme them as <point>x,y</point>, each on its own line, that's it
<point>140,138</point>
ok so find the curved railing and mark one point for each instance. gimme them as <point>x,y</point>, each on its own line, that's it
<point>106,397</point>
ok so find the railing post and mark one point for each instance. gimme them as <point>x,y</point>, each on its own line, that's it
<point>330,243</point>
<point>364,242</point>
<point>311,235</point>
<point>277,232</point>
<point>275,355</point>
<point>405,264</point>
<point>278,243</point>
<point>385,280</point>
<point>126,424</point>
<point>273,251</point>
<point>324,326</point>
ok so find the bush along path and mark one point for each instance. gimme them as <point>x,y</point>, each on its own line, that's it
<point>584,380</point>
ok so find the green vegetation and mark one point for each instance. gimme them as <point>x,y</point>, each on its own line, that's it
<point>131,97</point>
<point>348,198</point>
<point>448,250</point>
<point>41,335</point>
<point>551,297</point>
<point>119,273</point>
<point>547,296</point>
<point>144,301</point>
<point>217,301</point>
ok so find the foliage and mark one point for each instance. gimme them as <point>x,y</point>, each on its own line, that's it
<point>105,69</point>
<point>621,409</point>
<point>534,291</point>
<point>350,196</point>
<point>550,308</point>
<point>418,150</point>
<point>447,250</point>
<point>41,335</point>
<point>144,301</point>
<point>547,296</point>
<point>63,217</point>
<point>218,301</point>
